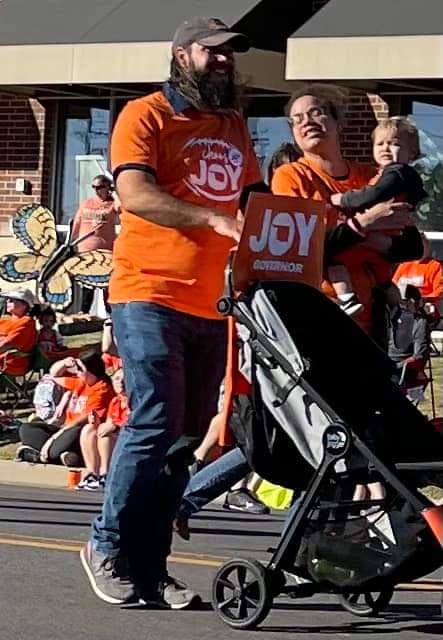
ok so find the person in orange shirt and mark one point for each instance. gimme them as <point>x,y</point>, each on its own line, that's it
<point>183,165</point>
<point>101,209</point>
<point>97,439</point>
<point>426,274</point>
<point>110,355</point>
<point>18,333</point>
<point>91,390</point>
<point>316,117</point>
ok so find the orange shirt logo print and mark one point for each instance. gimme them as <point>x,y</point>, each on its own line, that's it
<point>216,169</point>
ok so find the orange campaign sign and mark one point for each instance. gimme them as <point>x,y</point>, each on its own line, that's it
<point>282,239</point>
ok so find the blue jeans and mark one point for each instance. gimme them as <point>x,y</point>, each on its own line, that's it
<point>173,364</point>
<point>212,481</point>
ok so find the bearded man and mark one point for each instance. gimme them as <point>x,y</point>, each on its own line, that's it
<point>183,163</point>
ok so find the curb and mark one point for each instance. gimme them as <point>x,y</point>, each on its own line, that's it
<point>38,475</point>
<point>48,476</point>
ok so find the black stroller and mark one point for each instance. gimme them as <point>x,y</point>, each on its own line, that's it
<point>324,418</point>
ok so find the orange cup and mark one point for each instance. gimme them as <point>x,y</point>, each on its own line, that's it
<point>74,477</point>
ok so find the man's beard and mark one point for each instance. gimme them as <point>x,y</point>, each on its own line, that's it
<point>209,89</point>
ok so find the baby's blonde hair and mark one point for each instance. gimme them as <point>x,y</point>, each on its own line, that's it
<point>401,126</point>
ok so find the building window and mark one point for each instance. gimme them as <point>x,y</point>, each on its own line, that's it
<point>429,120</point>
<point>84,132</point>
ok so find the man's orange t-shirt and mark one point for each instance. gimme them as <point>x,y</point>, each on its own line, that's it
<point>425,274</point>
<point>91,212</point>
<point>85,398</point>
<point>21,334</point>
<point>305,179</point>
<point>204,158</point>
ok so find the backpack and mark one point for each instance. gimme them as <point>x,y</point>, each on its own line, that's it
<point>47,395</point>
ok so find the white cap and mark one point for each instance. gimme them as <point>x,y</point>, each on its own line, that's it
<point>21,293</point>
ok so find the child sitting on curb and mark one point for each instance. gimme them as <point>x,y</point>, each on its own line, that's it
<point>97,440</point>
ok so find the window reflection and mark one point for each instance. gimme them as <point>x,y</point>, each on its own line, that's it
<point>429,120</point>
<point>85,154</point>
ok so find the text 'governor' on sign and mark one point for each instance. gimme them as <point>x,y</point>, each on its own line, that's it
<point>283,239</point>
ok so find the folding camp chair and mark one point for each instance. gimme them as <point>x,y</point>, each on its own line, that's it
<point>20,387</point>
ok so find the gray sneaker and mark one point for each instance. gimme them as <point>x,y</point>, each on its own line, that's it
<point>172,594</point>
<point>109,577</point>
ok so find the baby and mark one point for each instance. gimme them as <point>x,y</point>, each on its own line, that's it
<point>395,145</point>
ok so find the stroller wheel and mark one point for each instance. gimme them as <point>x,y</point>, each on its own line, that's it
<point>241,593</point>
<point>369,603</point>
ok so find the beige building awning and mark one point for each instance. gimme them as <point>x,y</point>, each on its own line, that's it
<point>120,62</point>
<point>351,40</point>
<point>112,42</point>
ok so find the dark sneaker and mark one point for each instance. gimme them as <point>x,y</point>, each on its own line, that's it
<point>173,594</point>
<point>89,483</point>
<point>109,577</point>
<point>351,306</point>
<point>244,500</point>
<point>102,480</point>
<point>25,453</point>
<point>196,466</point>
<point>70,459</point>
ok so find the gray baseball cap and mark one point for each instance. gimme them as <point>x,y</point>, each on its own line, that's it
<point>209,32</point>
<point>21,293</point>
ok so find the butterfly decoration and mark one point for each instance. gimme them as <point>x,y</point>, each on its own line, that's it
<point>55,266</point>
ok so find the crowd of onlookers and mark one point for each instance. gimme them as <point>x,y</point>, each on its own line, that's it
<point>79,403</point>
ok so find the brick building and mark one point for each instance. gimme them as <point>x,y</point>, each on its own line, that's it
<point>64,80</point>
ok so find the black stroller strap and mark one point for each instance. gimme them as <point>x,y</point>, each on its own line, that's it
<point>258,405</point>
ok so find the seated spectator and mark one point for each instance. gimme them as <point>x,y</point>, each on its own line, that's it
<point>97,440</point>
<point>91,391</point>
<point>49,339</point>
<point>18,333</point>
<point>409,339</point>
<point>110,356</point>
<point>426,274</point>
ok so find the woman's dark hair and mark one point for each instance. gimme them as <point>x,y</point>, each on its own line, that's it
<point>284,154</point>
<point>95,365</point>
<point>103,178</point>
<point>332,98</point>
<point>47,312</point>
<point>411,292</point>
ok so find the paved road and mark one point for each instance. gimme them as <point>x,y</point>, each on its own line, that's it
<point>44,594</point>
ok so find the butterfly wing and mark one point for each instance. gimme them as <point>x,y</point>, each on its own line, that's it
<point>34,226</point>
<point>20,267</point>
<point>57,290</point>
<point>91,269</point>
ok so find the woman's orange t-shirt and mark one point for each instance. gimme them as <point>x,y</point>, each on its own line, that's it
<point>118,411</point>
<point>112,362</point>
<point>86,398</point>
<point>305,179</point>
<point>94,211</point>
<point>21,334</point>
